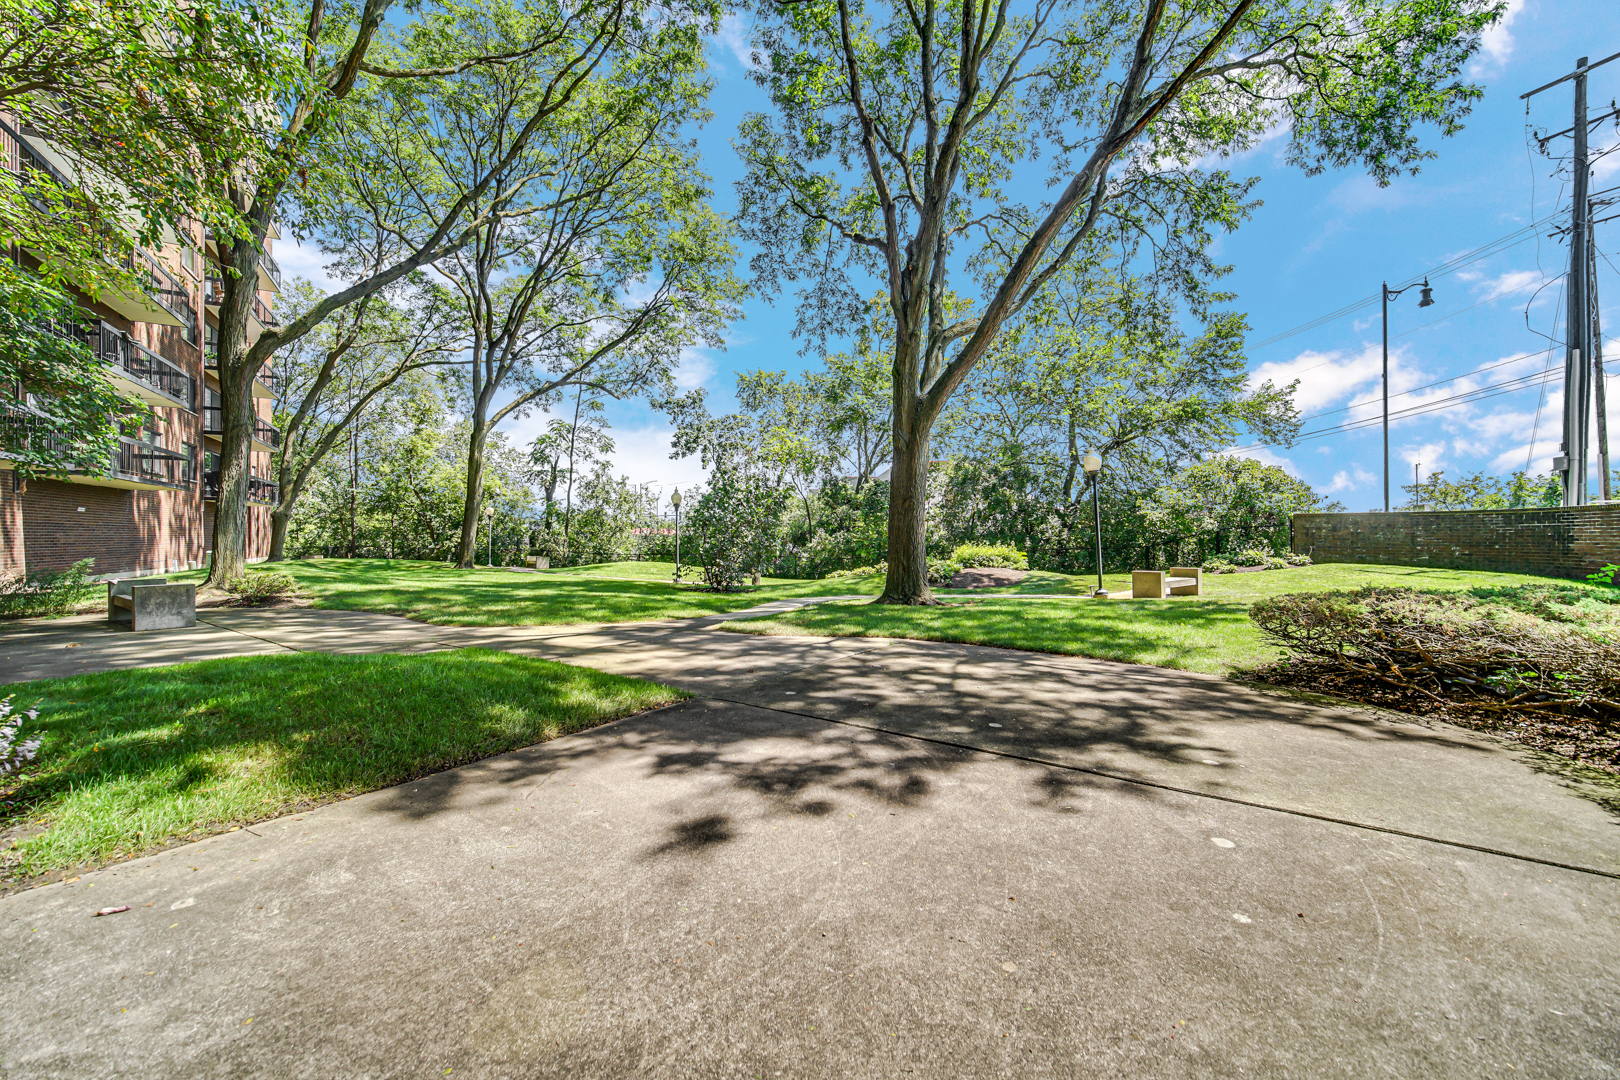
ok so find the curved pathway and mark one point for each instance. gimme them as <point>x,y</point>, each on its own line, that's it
<point>847,857</point>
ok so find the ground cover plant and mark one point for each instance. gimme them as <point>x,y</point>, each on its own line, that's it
<point>1536,663</point>
<point>257,587</point>
<point>131,760</point>
<point>47,592</point>
<point>1211,633</point>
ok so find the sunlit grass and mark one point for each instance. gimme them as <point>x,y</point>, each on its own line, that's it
<point>1211,633</point>
<point>437,592</point>
<point>134,759</point>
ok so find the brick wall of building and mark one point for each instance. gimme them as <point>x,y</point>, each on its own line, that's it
<point>1566,542</point>
<point>126,532</point>
<point>11,526</point>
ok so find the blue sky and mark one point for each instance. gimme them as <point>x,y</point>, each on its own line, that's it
<point>1317,245</point>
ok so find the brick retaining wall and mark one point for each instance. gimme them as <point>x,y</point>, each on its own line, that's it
<point>1566,542</point>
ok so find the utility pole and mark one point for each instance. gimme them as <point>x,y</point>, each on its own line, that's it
<point>1599,395</point>
<point>1578,351</point>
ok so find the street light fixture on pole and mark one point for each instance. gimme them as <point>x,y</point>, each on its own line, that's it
<point>1388,295</point>
<point>675,499</point>
<point>489,516</point>
<point>1093,466</point>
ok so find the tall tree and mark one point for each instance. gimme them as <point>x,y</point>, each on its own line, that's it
<point>903,132</point>
<point>331,377</point>
<point>568,40</point>
<point>596,259</point>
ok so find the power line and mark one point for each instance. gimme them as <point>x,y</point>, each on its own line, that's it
<point>1450,266</point>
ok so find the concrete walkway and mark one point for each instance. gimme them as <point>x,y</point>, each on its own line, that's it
<point>849,857</point>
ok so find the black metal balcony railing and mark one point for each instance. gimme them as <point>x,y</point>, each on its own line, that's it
<point>262,312</point>
<point>135,460</point>
<point>213,290</point>
<point>261,489</point>
<point>163,287</point>
<point>142,364</point>
<point>154,278</point>
<point>213,423</point>
<point>271,268</point>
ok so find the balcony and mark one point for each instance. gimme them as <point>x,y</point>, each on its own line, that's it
<point>214,296</point>
<point>266,438</point>
<point>138,370</point>
<point>269,273</point>
<point>131,463</point>
<point>264,383</point>
<point>157,296</point>
<point>261,489</point>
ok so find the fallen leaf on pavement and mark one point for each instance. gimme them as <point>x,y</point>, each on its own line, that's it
<point>112,910</point>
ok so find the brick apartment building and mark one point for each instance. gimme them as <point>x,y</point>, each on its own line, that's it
<point>152,512</point>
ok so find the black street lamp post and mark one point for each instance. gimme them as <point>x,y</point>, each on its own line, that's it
<point>1390,294</point>
<point>675,499</point>
<point>1093,466</point>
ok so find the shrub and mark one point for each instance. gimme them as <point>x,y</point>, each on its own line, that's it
<point>860,571</point>
<point>1484,655</point>
<point>976,556</point>
<point>1297,560</point>
<point>1219,566</point>
<point>260,587</point>
<point>1609,575</point>
<point>47,592</point>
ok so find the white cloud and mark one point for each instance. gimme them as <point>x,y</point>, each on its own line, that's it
<point>1429,456</point>
<point>1328,378</point>
<point>1540,457</point>
<point>697,366</point>
<point>297,260</point>
<point>1349,480</point>
<point>734,34</point>
<point>1264,457</point>
<point>1496,43</point>
<point>1510,282</point>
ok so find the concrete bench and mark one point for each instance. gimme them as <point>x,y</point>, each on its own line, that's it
<point>151,604</point>
<point>1157,584</point>
<point>539,562</point>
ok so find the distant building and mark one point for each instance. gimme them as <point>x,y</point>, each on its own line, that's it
<point>153,512</point>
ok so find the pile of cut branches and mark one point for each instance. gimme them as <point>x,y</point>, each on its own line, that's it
<point>1543,670</point>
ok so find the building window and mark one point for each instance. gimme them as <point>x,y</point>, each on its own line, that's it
<point>188,469</point>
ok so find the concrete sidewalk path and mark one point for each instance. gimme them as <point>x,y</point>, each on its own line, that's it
<point>720,890</point>
<point>851,857</point>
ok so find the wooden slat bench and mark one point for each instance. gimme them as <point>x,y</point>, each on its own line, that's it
<point>1157,584</point>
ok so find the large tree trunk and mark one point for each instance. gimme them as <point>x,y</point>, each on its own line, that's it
<point>236,401</point>
<point>468,547</point>
<point>907,581</point>
<point>278,530</point>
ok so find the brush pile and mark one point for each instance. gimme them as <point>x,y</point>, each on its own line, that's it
<point>1537,663</point>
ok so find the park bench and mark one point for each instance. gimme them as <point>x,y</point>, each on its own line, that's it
<point>538,562</point>
<point>151,604</point>
<point>1157,584</point>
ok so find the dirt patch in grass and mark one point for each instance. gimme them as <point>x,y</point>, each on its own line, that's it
<point>986,577</point>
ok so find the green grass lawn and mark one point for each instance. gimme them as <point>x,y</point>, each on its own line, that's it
<point>438,593</point>
<point>1210,633</point>
<point>135,759</point>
